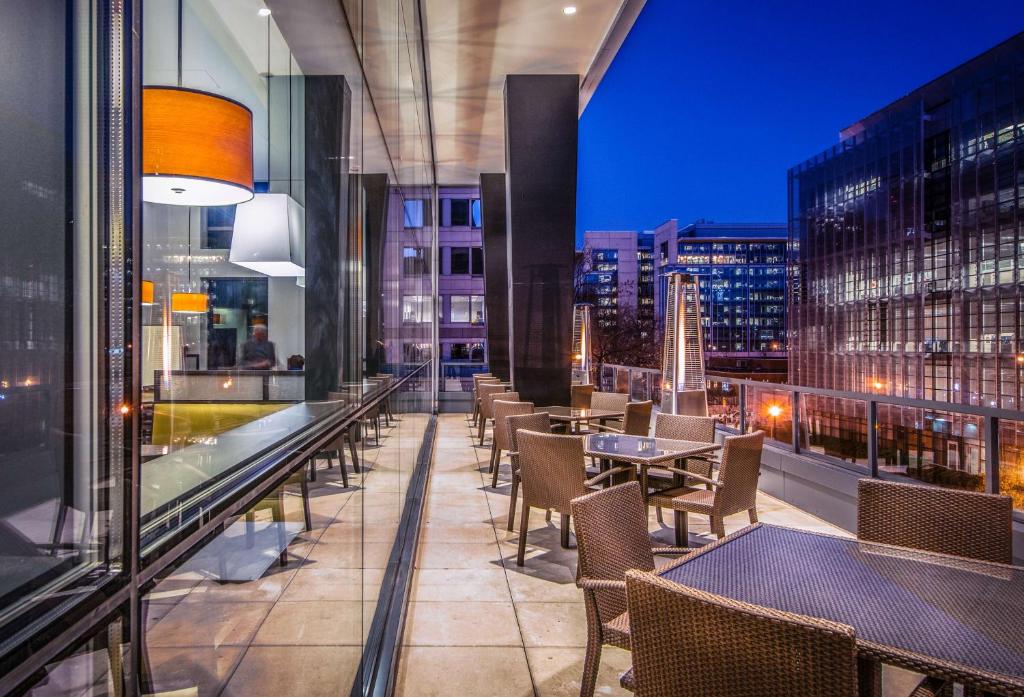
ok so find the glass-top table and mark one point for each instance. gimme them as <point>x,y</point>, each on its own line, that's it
<point>574,416</point>
<point>950,617</point>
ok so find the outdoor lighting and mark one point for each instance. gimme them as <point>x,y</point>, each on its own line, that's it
<point>775,411</point>
<point>196,148</point>
<point>569,10</point>
<point>269,236</point>
<point>1020,358</point>
<point>682,371</point>
<point>263,12</point>
<point>582,347</point>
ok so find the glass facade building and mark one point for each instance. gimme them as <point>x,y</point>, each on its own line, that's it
<point>907,240</point>
<point>741,273</point>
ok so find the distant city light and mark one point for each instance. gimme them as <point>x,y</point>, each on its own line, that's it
<point>774,411</point>
<point>569,10</point>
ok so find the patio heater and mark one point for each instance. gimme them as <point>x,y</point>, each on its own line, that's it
<point>582,348</point>
<point>682,375</point>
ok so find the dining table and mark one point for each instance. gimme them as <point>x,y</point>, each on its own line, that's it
<point>573,417</point>
<point>644,452</point>
<point>950,617</point>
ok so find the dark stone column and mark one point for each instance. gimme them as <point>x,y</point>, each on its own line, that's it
<point>492,196</point>
<point>328,120</point>
<point>375,228</point>
<point>541,120</point>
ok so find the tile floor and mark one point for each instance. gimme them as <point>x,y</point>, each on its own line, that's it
<point>299,629</point>
<point>480,625</point>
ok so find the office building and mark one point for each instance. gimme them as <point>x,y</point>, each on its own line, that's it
<point>617,275</point>
<point>909,270</point>
<point>741,272</point>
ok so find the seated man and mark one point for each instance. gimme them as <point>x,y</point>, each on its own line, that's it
<point>258,353</point>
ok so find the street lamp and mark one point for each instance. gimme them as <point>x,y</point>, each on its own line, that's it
<point>774,411</point>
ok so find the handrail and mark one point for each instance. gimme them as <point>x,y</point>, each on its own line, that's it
<point>265,471</point>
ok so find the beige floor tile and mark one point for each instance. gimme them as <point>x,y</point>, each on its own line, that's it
<point>461,624</point>
<point>552,624</point>
<point>543,583</point>
<point>317,623</point>
<point>443,585</point>
<point>427,671</point>
<point>267,588</point>
<point>368,555</point>
<point>442,555</point>
<point>310,671</point>
<point>205,669</point>
<point>455,532</point>
<point>333,584</point>
<point>558,672</point>
<point>208,624</point>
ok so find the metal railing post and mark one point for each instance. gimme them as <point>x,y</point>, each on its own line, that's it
<point>873,437</point>
<point>991,426</point>
<point>743,408</point>
<point>795,400</point>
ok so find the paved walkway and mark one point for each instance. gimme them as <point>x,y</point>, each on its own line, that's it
<point>480,625</point>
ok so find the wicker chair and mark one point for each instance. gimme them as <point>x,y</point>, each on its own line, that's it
<point>485,391</point>
<point>478,379</point>
<point>580,396</point>
<point>730,648</point>
<point>611,538</point>
<point>538,422</point>
<point>637,421</point>
<point>337,447</point>
<point>734,491</point>
<point>553,472</point>
<point>500,439</point>
<point>961,523</point>
<point>612,401</point>
<point>683,427</point>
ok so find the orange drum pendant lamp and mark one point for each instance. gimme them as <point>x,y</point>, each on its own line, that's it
<point>196,148</point>
<point>189,303</point>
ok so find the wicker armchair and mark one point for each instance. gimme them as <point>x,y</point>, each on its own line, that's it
<point>538,422</point>
<point>500,439</point>
<point>485,391</point>
<point>611,538</point>
<point>961,523</point>
<point>683,427</point>
<point>688,643</point>
<point>337,447</point>
<point>734,491</point>
<point>479,379</point>
<point>553,472</point>
<point>580,396</point>
<point>637,421</point>
<point>612,401</point>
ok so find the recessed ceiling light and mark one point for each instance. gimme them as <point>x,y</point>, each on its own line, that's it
<point>263,12</point>
<point>569,10</point>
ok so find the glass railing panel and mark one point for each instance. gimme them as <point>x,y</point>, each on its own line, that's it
<point>1011,461</point>
<point>938,447</point>
<point>458,376</point>
<point>836,428</point>
<point>724,403</point>
<point>770,410</point>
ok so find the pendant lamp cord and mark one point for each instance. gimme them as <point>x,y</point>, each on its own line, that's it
<point>268,104</point>
<point>181,22</point>
<point>189,228</point>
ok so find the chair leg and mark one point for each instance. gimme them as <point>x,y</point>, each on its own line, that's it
<point>547,516</point>
<point>490,464</point>
<point>352,449</point>
<point>565,531</point>
<point>512,500</point>
<point>718,526</point>
<point>330,459</point>
<point>376,431</point>
<point>308,518</point>
<point>277,515</point>
<point>682,531</point>
<point>312,468</point>
<point>753,515</point>
<point>344,477</point>
<point>592,658</point>
<point>495,467</point>
<point>658,515</point>
<point>480,429</point>
<point>524,525</point>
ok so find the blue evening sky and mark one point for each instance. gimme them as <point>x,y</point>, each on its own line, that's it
<point>709,102</point>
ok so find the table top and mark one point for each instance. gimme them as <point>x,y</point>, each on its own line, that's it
<point>641,450</point>
<point>574,414</point>
<point>958,617</point>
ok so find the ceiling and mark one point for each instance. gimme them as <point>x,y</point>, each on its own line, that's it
<point>473,44</point>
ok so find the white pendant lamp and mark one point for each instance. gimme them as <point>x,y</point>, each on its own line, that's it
<point>270,236</point>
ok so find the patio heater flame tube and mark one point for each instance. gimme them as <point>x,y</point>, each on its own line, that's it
<point>683,358</point>
<point>582,349</point>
